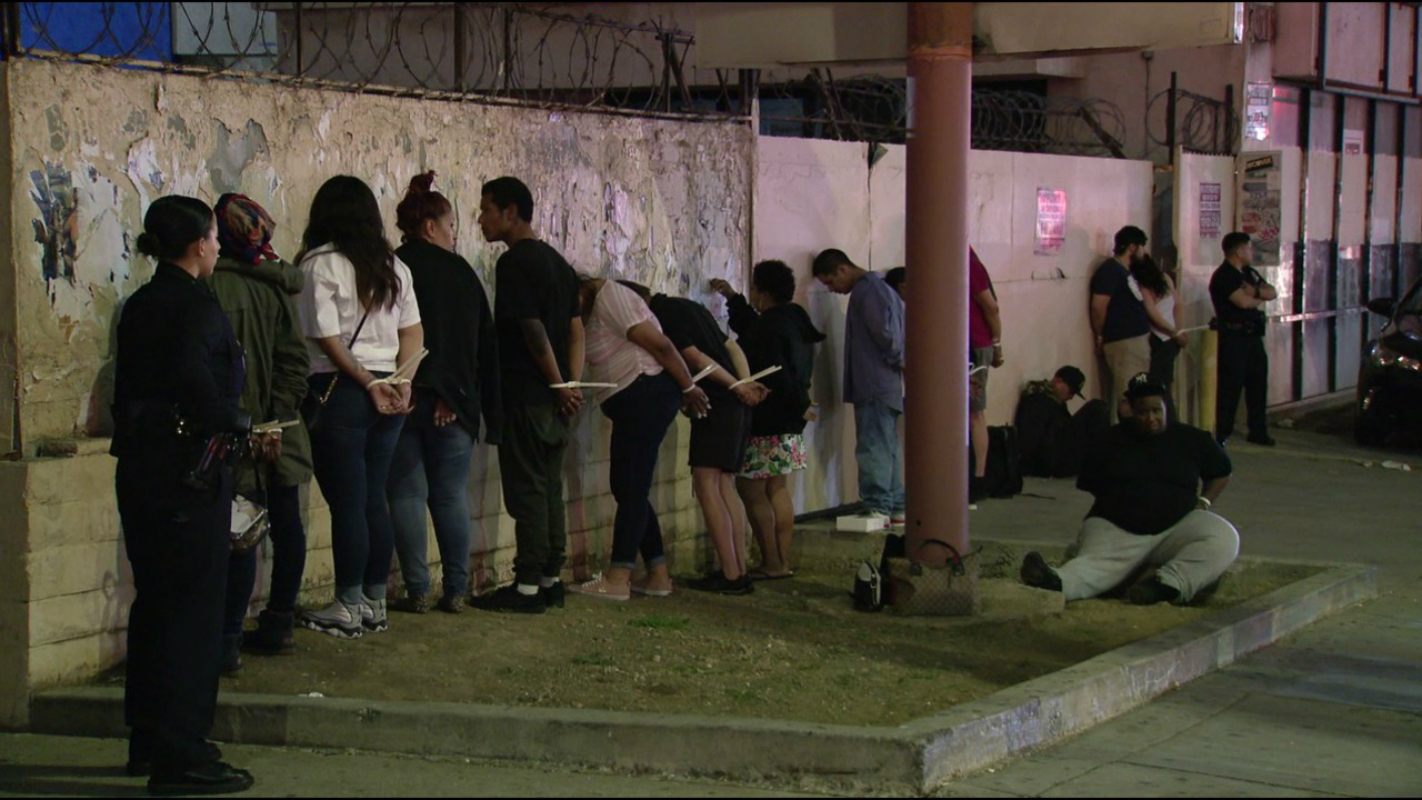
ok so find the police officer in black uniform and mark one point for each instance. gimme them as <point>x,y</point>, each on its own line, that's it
<point>178,427</point>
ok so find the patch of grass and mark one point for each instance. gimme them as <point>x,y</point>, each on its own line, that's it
<point>592,660</point>
<point>660,622</point>
<point>746,695</point>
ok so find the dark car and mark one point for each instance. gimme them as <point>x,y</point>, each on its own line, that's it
<point>1390,379</point>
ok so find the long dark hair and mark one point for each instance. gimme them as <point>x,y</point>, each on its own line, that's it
<point>421,202</point>
<point>172,223</point>
<point>344,213</point>
<point>1149,274</point>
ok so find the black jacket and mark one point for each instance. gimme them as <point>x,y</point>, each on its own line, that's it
<point>176,354</point>
<point>463,364</point>
<point>783,336</point>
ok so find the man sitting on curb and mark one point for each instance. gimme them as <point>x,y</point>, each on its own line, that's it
<point>1147,474</point>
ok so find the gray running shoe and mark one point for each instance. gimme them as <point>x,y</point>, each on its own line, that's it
<point>337,619</point>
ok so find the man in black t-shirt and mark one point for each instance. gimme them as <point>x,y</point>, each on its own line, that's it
<point>1154,482</point>
<point>540,349</point>
<point>1118,316</point>
<point>718,440</point>
<point>1239,293</point>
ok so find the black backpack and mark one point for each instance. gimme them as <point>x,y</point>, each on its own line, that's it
<point>1004,463</point>
<point>1041,423</point>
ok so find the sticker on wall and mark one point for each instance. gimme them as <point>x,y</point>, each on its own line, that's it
<point>1257,110</point>
<point>1210,212</point>
<point>1352,142</point>
<point>1051,221</point>
<point>1260,209</point>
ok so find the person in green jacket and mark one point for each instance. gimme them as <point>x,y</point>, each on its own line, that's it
<point>257,289</point>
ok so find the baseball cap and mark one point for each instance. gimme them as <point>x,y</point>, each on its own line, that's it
<point>1143,385</point>
<point>1073,378</point>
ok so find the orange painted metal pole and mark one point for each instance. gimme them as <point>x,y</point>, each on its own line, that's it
<point>936,411</point>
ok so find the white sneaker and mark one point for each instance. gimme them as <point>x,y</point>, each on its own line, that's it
<point>373,617</point>
<point>337,619</point>
<point>862,523</point>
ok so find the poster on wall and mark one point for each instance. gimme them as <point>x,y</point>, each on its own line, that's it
<point>1260,209</point>
<point>1257,99</point>
<point>1210,212</point>
<point>1051,221</point>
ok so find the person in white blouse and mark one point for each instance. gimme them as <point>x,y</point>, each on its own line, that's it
<point>627,348</point>
<point>1158,292</point>
<point>361,322</point>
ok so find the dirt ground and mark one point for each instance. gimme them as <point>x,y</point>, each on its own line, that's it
<point>795,650</point>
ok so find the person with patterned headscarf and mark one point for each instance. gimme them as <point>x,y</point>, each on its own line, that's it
<point>256,289</point>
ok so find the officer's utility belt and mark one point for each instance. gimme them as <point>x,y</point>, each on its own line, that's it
<point>213,452</point>
<point>1240,328</point>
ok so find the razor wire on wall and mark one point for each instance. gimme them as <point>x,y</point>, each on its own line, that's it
<point>532,55</point>
<point>873,108</point>
<point>494,50</point>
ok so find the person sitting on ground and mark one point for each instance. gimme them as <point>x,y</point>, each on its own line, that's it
<point>1053,440</point>
<point>1155,483</point>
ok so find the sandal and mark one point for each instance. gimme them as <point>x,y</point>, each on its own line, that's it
<point>762,575</point>
<point>643,590</point>
<point>599,587</point>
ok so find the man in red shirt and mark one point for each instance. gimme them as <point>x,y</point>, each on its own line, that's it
<point>985,339</point>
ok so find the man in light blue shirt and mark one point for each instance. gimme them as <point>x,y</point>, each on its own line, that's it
<point>873,377</point>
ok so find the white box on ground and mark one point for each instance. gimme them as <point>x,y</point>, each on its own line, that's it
<point>862,523</point>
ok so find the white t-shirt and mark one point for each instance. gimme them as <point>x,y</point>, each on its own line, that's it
<point>1166,307</point>
<point>611,357</point>
<point>329,306</point>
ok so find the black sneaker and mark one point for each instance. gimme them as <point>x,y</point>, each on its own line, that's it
<point>509,600</point>
<point>1263,440</point>
<point>554,596</point>
<point>213,777</point>
<point>977,489</point>
<point>231,654</point>
<point>1150,592</point>
<point>718,582</point>
<point>272,636</point>
<point>1037,574</point>
<point>140,754</point>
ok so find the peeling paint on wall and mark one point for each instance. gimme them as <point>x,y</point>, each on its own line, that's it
<point>143,170</point>
<point>680,192</point>
<point>231,154</point>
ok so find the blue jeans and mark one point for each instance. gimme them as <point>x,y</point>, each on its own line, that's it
<point>288,538</point>
<point>881,482</point>
<point>351,450</point>
<point>431,468</point>
<point>640,416</point>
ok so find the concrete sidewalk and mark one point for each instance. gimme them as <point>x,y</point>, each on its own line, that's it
<point>1333,710</point>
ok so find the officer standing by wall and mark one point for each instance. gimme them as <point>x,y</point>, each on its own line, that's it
<point>1239,294</point>
<point>178,425</point>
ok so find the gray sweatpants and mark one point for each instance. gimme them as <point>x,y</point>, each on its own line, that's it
<point>1188,557</point>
